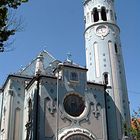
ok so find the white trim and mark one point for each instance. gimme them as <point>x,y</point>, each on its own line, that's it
<point>76,131</point>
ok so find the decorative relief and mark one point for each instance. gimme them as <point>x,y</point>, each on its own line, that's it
<point>109,2</point>
<point>51,105</point>
<point>63,116</point>
<point>86,1</point>
<point>76,133</point>
<point>29,123</point>
<point>11,92</point>
<point>96,109</point>
<point>74,109</point>
<point>102,31</point>
<point>114,31</point>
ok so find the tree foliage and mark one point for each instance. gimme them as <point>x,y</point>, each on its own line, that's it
<point>5,31</point>
<point>135,129</point>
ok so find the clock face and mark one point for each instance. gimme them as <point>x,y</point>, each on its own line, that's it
<point>74,105</point>
<point>102,30</point>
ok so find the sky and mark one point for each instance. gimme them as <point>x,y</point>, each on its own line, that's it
<point>58,27</point>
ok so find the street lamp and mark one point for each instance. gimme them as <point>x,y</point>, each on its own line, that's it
<point>59,67</point>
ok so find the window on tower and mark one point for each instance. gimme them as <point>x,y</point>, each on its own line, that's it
<point>116,48</point>
<point>106,78</point>
<point>29,110</point>
<point>111,15</point>
<point>85,19</point>
<point>95,15</point>
<point>88,18</point>
<point>103,14</point>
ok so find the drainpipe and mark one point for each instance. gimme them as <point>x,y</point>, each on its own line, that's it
<point>59,68</point>
<point>1,109</point>
<point>57,107</point>
<point>36,132</point>
<point>105,96</point>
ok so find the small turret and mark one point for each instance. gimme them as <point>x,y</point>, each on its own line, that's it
<point>39,68</point>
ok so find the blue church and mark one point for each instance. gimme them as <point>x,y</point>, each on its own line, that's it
<point>54,100</point>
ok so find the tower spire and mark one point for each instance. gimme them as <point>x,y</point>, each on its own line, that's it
<point>104,61</point>
<point>39,68</point>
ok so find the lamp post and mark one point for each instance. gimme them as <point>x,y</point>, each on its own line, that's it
<point>57,96</point>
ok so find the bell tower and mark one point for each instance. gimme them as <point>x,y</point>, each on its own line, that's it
<point>104,62</point>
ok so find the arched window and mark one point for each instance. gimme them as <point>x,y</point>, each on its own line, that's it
<point>95,15</point>
<point>74,76</point>
<point>111,15</point>
<point>115,17</point>
<point>106,78</point>
<point>88,18</point>
<point>103,14</point>
<point>30,110</point>
<point>85,19</point>
<point>28,125</point>
<point>116,48</point>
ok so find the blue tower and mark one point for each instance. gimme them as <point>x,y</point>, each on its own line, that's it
<point>105,62</point>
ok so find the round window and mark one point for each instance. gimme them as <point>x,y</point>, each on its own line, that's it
<point>74,105</point>
<point>78,137</point>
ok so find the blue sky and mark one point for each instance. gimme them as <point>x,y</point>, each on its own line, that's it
<point>58,27</point>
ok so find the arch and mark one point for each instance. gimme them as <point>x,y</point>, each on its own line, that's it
<point>17,124</point>
<point>29,110</point>
<point>111,15</point>
<point>103,14</point>
<point>76,134</point>
<point>95,15</point>
<point>88,17</point>
<point>106,79</point>
<point>116,48</point>
<point>78,137</point>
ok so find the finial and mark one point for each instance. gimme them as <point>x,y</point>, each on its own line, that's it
<point>39,69</point>
<point>69,56</point>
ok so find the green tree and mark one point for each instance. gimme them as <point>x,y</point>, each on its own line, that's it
<point>135,129</point>
<point>5,30</point>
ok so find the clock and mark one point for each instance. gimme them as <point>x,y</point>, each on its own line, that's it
<point>102,31</point>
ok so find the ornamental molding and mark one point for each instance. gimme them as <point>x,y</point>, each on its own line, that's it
<point>109,2</point>
<point>75,120</point>
<point>76,131</point>
<point>102,31</point>
<point>86,2</point>
<point>11,92</point>
<point>51,105</point>
<point>97,110</point>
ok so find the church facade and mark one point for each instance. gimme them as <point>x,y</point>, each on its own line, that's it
<point>54,100</point>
